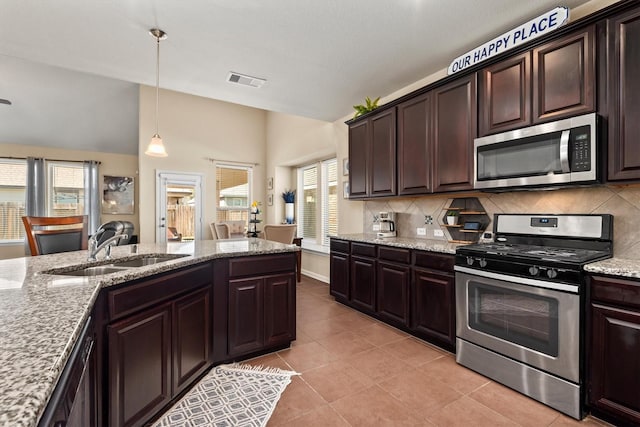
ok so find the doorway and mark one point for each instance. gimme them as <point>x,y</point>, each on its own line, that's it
<point>179,207</point>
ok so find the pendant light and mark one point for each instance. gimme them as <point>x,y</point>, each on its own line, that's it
<point>155,147</point>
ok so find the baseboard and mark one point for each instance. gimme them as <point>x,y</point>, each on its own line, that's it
<point>316,276</point>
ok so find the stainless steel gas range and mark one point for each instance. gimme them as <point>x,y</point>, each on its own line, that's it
<point>520,303</point>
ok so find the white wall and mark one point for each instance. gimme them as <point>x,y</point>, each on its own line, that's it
<point>194,129</point>
<point>111,164</point>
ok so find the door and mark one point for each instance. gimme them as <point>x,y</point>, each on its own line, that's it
<point>179,206</point>
<point>359,163</point>
<point>393,292</point>
<point>414,146</point>
<point>279,309</point>
<point>382,176</point>
<point>246,316</point>
<point>432,296</point>
<point>363,283</point>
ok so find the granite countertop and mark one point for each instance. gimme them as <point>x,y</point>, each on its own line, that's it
<point>430,245</point>
<point>41,315</point>
<point>621,267</point>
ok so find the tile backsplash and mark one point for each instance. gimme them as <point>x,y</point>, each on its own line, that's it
<point>622,202</point>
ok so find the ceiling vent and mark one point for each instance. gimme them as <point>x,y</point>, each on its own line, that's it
<point>245,80</point>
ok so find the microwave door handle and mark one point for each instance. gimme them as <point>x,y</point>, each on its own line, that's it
<point>564,151</point>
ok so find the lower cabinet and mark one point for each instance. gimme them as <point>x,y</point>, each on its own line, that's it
<point>412,290</point>
<point>433,306</point>
<point>261,307</point>
<point>261,313</point>
<point>613,368</point>
<point>159,341</point>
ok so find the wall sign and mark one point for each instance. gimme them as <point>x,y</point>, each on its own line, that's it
<point>531,30</point>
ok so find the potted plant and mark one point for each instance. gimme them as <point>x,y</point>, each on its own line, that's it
<point>452,217</point>
<point>368,106</point>
<point>289,197</point>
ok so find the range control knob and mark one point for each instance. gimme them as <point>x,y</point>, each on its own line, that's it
<point>552,273</point>
<point>483,262</point>
<point>533,270</point>
<point>469,260</point>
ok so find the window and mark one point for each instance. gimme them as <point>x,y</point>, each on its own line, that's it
<point>13,179</point>
<point>65,189</point>
<point>233,193</point>
<point>318,207</point>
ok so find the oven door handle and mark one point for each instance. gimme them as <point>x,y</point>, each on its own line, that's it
<point>564,151</point>
<point>520,280</point>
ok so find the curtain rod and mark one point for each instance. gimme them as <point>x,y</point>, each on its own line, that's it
<point>231,162</point>
<point>51,160</point>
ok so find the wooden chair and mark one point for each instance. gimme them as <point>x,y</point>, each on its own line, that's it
<point>49,235</point>
<point>220,230</point>
<point>284,233</point>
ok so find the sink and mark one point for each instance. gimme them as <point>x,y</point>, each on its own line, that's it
<point>98,270</point>
<point>141,262</point>
<point>114,266</point>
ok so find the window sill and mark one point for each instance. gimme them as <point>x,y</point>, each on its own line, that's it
<point>313,247</point>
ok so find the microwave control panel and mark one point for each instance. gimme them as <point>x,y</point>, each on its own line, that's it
<point>580,140</point>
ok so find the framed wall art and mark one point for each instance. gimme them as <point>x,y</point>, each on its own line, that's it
<point>118,195</point>
<point>345,166</point>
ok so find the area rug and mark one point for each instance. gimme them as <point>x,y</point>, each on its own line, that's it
<point>230,395</point>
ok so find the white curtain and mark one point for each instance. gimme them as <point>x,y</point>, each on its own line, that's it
<point>92,194</point>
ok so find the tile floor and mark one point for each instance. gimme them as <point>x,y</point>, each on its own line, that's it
<point>357,371</point>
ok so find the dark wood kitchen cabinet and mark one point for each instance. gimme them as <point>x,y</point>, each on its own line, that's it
<point>159,341</point>
<point>504,91</point>
<point>414,146</point>
<point>393,276</point>
<point>363,277</point>
<point>339,270</point>
<point>372,156</point>
<point>433,298</point>
<point>261,306</point>
<point>454,129</point>
<point>623,33</point>
<point>614,371</point>
<point>553,81</point>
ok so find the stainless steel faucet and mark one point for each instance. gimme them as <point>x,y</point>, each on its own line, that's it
<point>94,248</point>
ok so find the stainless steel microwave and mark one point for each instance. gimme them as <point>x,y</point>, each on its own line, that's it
<point>549,154</point>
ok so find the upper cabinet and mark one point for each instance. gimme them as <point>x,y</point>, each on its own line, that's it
<point>623,33</point>
<point>553,81</point>
<point>372,156</point>
<point>454,129</point>
<point>414,145</point>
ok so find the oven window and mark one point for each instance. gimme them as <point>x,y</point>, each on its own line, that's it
<point>518,317</point>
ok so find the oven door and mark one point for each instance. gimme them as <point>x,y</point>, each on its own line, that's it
<point>536,325</point>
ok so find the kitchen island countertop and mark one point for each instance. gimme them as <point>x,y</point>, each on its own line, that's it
<point>41,315</point>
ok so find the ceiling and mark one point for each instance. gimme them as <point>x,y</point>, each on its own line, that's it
<point>72,66</point>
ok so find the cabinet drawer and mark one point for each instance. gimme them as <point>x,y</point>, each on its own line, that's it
<point>257,265</point>
<point>135,296</point>
<point>394,254</point>
<point>339,246</point>
<point>433,260</point>
<point>616,291</point>
<point>363,249</point>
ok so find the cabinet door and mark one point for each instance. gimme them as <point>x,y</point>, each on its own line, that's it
<point>433,306</point>
<point>83,409</point>
<point>414,146</point>
<point>382,173</point>
<point>454,124</point>
<point>139,366</point>
<point>339,275</point>
<point>363,283</point>
<point>192,337</point>
<point>279,309</point>
<point>359,160</point>
<point>614,368</point>
<point>246,316</point>
<point>505,95</point>
<point>393,292</point>
<point>624,93</point>
<point>564,77</point>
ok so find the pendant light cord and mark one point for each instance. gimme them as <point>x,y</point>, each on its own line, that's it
<point>157,79</point>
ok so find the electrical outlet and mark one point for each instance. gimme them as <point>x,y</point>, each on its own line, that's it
<point>438,233</point>
<point>421,231</point>
<point>428,219</point>
<point>376,227</point>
